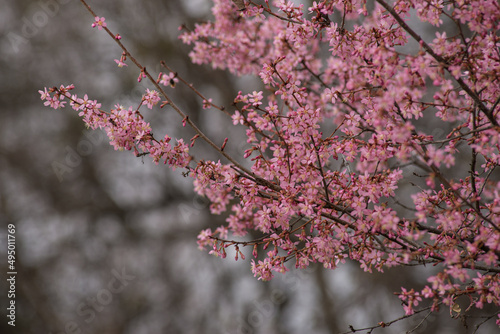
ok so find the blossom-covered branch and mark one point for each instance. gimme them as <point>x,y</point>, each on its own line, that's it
<point>357,142</point>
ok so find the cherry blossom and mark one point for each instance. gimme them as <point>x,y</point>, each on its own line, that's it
<point>99,23</point>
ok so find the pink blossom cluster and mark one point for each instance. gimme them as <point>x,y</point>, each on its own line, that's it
<point>373,93</point>
<point>126,128</point>
<point>337,132</point>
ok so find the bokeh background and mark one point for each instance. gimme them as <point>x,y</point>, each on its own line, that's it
<point>106,242</point>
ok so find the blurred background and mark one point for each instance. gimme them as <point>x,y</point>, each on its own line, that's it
<point>105,241</point>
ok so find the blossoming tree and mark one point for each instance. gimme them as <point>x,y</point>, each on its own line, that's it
<point>356,104</point>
